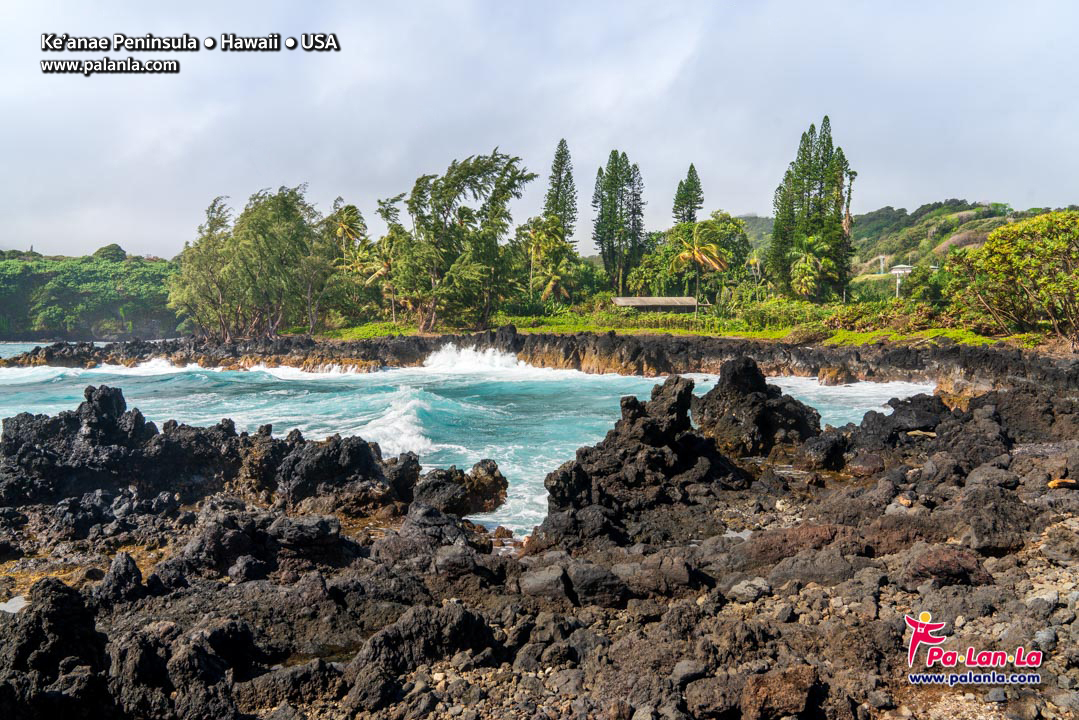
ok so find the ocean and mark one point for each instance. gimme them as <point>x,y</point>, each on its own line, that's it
<point>461,406</point>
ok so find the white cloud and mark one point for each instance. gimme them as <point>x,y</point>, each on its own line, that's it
<point>929,100</point>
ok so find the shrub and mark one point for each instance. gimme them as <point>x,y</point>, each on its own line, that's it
<point>1025,276</point>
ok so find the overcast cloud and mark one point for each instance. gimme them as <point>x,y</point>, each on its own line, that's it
<point>929,100</point>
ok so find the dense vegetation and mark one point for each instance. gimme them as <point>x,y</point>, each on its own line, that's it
<point>452,257</point>
<point>105,295</point>
<point>810,250</point>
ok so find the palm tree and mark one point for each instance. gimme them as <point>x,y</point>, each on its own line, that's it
<point>557,279</point>
<point>543,236</point>
<point>755,263</point>
<point>348,224</point>
<point>701,248</point>
<point>377,264</point>
<point>370,261</point>
<point>809,265</point>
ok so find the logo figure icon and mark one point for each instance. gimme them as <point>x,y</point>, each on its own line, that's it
<point>922,633</point>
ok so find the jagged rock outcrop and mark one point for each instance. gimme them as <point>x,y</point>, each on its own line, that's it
<point>481,490</point>
<point>52,658</point>
<point>747,416</point>
<point>650,480</point>
<point>103,451</point>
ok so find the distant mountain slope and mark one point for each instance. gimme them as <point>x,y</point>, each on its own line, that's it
<point>888,236</point>
<point>758,229</point>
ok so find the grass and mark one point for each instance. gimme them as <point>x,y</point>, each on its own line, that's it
<point>704,325</point>
<point>963,337</point>
<point>370,330</point>
<point>684,325</point>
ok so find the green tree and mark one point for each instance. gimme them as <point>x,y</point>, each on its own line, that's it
<point>453,261</point>
<point>813,200</point>
<point>701,249</point>
<point>272,267</point>
<point>281,259</point>
<point>206,288</point>
<point>689,198</point>
<point>111,253</point>
<point>810,266</point>
<point>618,227</point>
<point>1025,277</point>
<point>561,198</point>
<point>544,243</point>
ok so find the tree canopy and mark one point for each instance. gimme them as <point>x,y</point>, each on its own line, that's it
<point>618,227</point>
<point>266,270</point>
<point>108,294</point>
<point>1025,276</point>
<point>561,198</point>
<point>813,200</point>
<point>688,198</point>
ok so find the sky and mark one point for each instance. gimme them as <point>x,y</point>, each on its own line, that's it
<point>929,100</point>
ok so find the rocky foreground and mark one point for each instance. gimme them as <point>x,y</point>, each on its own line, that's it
<point>746,564</point>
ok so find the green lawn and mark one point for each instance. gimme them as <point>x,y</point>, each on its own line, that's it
<point>370,330</point>
<point>713,328</point>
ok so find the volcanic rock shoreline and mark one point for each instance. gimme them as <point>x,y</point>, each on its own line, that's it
<point>960,371</point>
<point>714,556</point>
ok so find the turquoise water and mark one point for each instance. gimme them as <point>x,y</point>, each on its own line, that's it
<point>7,349</point>
<point>462,406</point>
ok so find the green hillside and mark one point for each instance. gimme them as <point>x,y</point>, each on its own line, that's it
<point>758,230</point>
<point>890,236</point>
<point>887,237</point>
<point>107,295</point>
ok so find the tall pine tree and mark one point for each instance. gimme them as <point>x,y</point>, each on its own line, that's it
<point>813,201</point>
<point>561,199</point>
<point>689,198</point>
<point>618,226</point>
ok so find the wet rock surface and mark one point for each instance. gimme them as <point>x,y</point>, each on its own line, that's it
<point>189,572</point>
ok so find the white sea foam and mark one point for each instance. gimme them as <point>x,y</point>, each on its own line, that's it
<point>399,428</point>
<point>858,393</point>
<point>26,375</point>
<point>30,375</point>
<point>451,359</point>
<point>157,366</point>
<point>284,372</point>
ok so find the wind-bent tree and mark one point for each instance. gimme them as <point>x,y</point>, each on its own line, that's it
<point>205,288</point>
<point>271,268</point>
<point>618,227</point>
<point>561,198</point>
<point>689,198</point>
<point>814,201</point>
<point>281,257</point>
<point>453,261</point>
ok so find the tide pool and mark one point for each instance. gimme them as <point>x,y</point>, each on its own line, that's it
<point>460,407</point>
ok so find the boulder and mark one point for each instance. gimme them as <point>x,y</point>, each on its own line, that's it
<point>122,582</point>
<point>633,486</point>
<point>452,491</point>
<point>945,565</point>
<point>748,417</point>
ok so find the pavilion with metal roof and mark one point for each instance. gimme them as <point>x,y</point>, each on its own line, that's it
<point>659,304</point>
